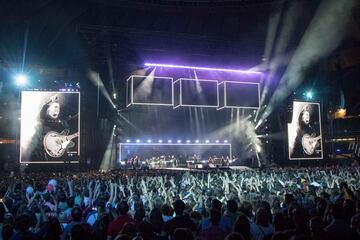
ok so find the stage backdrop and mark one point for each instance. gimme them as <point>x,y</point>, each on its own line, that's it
<point>304,132</point>
<point>50,127</point>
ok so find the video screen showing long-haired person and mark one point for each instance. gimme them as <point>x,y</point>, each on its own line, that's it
<point>49,127</point>
<point>304,132</point>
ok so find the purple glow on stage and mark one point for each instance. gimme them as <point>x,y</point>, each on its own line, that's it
<point>201,68</point>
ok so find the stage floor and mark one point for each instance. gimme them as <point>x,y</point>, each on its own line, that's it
<point>207,169</point>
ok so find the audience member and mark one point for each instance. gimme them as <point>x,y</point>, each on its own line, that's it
<point>137,204</point>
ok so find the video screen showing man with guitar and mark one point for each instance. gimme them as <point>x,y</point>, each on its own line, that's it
<point>308,134</point>
<point>58,128</point>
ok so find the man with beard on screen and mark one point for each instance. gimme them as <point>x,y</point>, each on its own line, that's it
<point>307,141</point>
<point>54,139</point>
<point>50,115</point>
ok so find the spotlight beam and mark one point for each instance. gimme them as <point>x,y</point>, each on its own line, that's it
<point>109,157</point>
<point>96,80</point>
<point>330,20</point>
<point>128,122</point>
<point>291,16</point>
<point>272,29</point>
<point>144,90</point>
<point>26,36</point>
<point>111,72</point>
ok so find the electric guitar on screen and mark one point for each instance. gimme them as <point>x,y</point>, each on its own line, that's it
<point>309,143</point>
<point>56,144</point>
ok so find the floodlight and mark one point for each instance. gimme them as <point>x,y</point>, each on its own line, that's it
<point>21,79</point>
<point>309,95</point>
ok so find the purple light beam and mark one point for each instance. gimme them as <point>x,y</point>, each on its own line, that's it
<point>201,68</point>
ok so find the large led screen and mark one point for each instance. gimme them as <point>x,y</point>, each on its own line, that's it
<point>304,132</point>
<point>50,127</point>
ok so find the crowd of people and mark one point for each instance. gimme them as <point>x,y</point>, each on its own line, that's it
<point>282,203</point>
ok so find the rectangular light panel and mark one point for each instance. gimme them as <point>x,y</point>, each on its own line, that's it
<point>156,92</point>
<point>239,95</point>
<point>209,92</point>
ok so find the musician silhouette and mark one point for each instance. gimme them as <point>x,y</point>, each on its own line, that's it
<point>307,141</point>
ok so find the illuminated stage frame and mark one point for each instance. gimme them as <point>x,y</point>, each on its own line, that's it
<point>225,95</point>
<point>220,93</point>
<point>194,105</point>
<point>173,144</point>
<point>131,97</point>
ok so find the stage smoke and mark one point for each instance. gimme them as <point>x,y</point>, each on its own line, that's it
<point>241,130</point>
<point>278,58</point>
<point>330,20</point>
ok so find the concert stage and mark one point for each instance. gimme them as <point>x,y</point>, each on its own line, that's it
<point>239,168</point>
